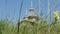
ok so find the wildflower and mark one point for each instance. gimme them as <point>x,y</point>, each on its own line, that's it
<point>56,16</point>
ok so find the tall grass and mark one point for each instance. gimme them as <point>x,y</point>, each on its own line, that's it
<point>27,28</point>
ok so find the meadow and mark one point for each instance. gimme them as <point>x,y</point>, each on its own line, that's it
<point>8,27</point>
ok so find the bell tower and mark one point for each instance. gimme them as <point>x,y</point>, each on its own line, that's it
<point>31,17</point>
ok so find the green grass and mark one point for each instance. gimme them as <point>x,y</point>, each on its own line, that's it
<point>26,28</point>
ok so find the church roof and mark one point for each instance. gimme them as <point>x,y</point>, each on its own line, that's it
<point>31,13</point>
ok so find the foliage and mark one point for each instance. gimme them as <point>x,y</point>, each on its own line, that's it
<point>56,16</point>
<point>27,28</point>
